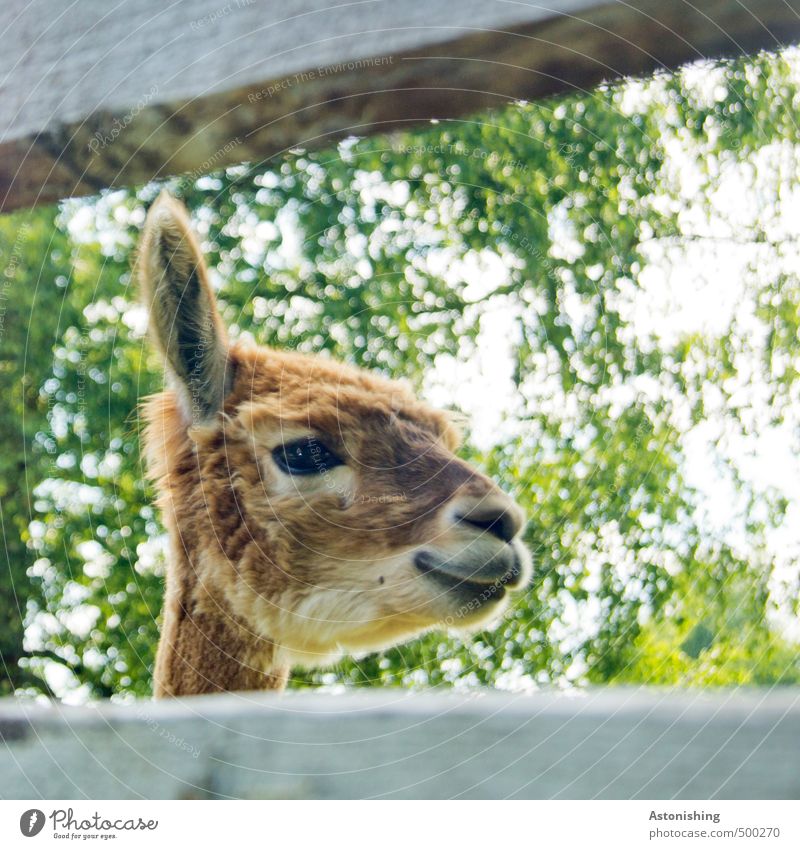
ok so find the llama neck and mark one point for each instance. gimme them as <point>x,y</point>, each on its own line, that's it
<point>203,647</point>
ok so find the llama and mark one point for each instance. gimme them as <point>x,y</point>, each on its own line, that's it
<point>313,508</point>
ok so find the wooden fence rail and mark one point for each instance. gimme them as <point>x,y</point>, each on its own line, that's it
<point>94,94</point>
<point>388,744</point>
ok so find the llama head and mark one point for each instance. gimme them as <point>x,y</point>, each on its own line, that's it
<point>319,505</point>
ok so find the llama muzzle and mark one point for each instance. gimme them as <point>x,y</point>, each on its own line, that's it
<point>484,557</point>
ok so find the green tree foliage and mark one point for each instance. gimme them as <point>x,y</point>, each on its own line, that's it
<point>396,253</point>
<point>32,282</point>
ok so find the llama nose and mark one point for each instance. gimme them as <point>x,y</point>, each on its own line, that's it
<point>498,516</point>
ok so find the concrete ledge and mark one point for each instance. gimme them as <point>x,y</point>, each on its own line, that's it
<point>123,93</point>
<point>612,743</point>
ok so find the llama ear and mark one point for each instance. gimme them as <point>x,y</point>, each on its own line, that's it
<point>184,322</point>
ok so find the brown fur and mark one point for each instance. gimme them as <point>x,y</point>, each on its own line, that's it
<point>269,569</point>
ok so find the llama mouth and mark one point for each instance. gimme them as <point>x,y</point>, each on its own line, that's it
<point>476,591</point>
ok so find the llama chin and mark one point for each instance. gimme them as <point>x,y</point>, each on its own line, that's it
<point>313,508</point>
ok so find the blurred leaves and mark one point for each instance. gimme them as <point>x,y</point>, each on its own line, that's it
<point>392,252</point>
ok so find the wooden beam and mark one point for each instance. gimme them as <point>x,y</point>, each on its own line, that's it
<point>100,95</point>
<point>608,744</point>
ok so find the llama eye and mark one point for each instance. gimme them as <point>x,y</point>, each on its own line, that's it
<point>306,456</point>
